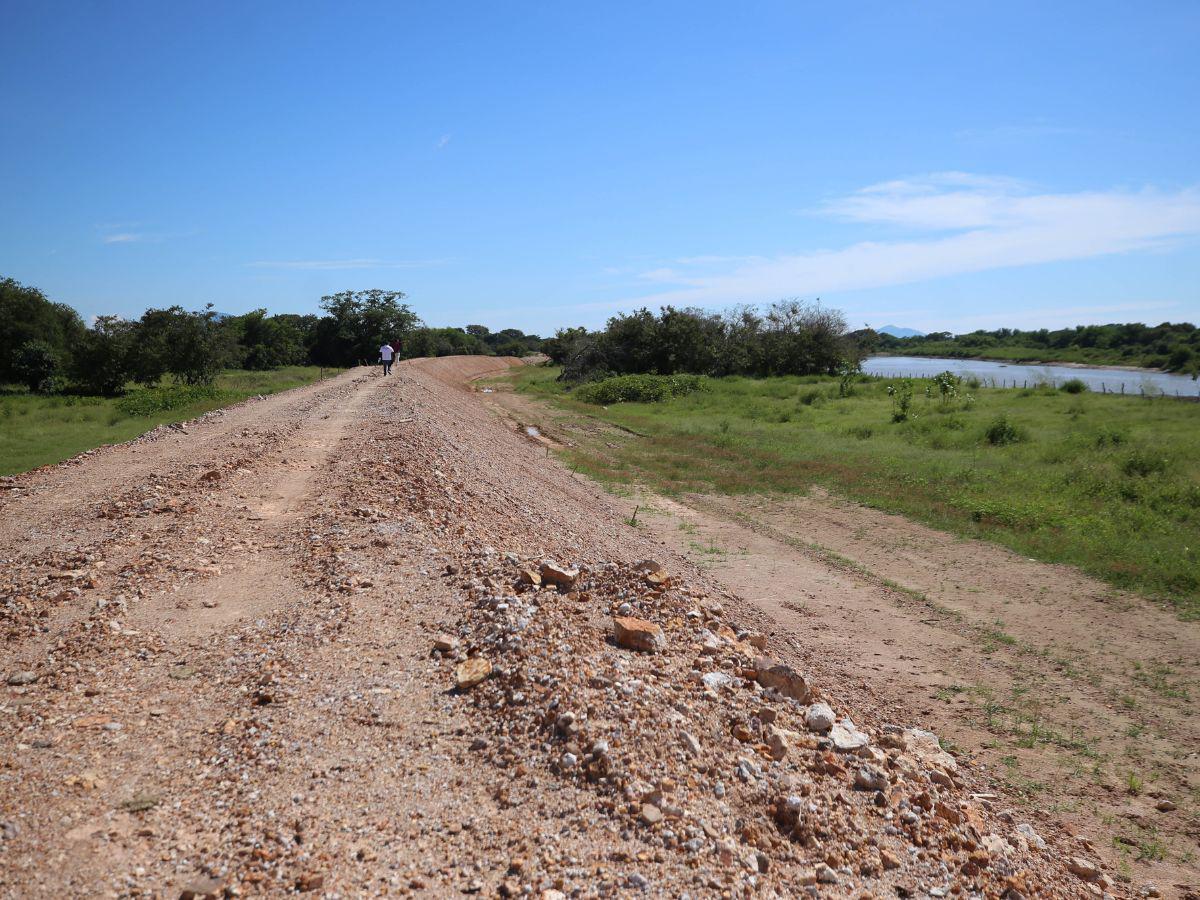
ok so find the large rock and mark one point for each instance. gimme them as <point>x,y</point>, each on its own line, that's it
<point>784,679</point>
<point>560,576</point>
<point>1084,868</point>
<point>819,717</point>
<point>638,634</point>
<point>925,746</point>
<point>846,736</point>
<point>471,672</point>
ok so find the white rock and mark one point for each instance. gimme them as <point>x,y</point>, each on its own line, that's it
<point>846,736</point>
<point>819,717</point>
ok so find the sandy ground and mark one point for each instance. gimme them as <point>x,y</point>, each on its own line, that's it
<point>238,658</point>
<point>1077,698</point>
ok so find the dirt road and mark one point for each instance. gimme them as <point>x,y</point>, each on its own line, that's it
<point>238,661</point>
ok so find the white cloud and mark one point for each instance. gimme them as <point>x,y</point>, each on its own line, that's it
<point>123,237</point>
<point>443,141</point>
<point>952,223</point>
<point>336,264</point>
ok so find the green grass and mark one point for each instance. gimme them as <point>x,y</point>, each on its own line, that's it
<point>1107,483</point>
<point>36,430</point>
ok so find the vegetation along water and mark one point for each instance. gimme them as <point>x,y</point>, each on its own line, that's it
<point>1107,483</point>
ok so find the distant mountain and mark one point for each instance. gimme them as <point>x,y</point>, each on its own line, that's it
<point>897,331</point>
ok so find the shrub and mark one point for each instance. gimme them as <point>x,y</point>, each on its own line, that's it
<point>1140,464</point>
<point>1110,437</point>
<point>1002,432</point>
<point>149,401</point>
<point>639,389</point>
<point>947,385</point>
<point>811,396</point>
<point>1073,386</point>
<point>902,394</point>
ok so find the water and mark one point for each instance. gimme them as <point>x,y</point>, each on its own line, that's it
<point>1014,375</point>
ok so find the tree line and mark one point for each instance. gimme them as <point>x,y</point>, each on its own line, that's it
<point>1174,347</point>
<point>47,346</point>
<point>790,337</point>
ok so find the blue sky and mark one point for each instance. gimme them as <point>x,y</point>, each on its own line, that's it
<point>942,165</point>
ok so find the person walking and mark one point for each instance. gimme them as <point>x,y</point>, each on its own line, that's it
<point>386,354</point>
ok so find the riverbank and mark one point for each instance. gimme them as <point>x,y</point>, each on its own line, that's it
<point>1032,361</point>
<point>992,373</point>
<point>1106,483</point>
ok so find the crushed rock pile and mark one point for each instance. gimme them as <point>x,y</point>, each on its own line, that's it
<point>645,689</point>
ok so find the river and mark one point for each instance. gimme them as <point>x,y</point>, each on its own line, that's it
<point>1000,374</point>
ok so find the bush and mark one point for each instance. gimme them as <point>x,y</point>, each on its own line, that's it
<point>150,401</point>
<point>1140,464</point>
<point>1002,432</point>
<point>639,389</point>
<point>1073,386</point>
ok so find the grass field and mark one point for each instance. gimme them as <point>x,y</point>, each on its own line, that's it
<point>36,430</point>
<point>1110,484</point>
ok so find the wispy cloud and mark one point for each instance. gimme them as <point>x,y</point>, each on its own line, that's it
<point>336,264</point>
<point>1018,132</point>
<point>940,225</point>
<point>135,233</point>
<point>443,141</point>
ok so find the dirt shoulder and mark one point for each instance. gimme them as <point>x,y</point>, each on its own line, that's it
<point>1078,699</point>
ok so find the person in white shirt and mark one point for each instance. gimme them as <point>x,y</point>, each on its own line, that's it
<point>386,354</point>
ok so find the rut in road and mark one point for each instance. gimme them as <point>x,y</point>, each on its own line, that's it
<point>304,734</point>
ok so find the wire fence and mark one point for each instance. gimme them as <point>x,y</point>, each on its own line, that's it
<point>1150,393</point>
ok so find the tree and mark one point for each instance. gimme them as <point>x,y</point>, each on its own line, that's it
<point>27,315</point>
<point>191,346</point>
<point>103,359</point>
<point>361,321</point>
<point>560,347</point>
<point>35,364</point>
<point>267,342</point>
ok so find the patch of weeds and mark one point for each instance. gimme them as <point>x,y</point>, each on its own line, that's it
<point>1133,784</point>
<point>994,637</point>
<point>1155,678</point>
<point>947,693</point>
<point>1151,850</point>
